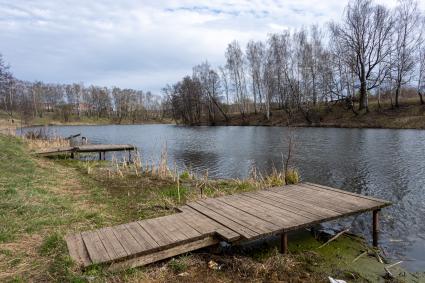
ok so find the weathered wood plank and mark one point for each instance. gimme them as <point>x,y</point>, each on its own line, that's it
<point>129,243</point>
<point>243,218</point>
<point>384,202</point>
<point>111,243</point>
<point>347,201</point>
<point>156,232</point>
<point>235,226</point>
<point>153,257</point>
<point>103,147</point>
<point>140,235</point>
<point>206,225</point>
<point>95,248</point>
<point>293,204</point>
<point>306,195</point>
<point>77,250</point>
<point>282,217</point>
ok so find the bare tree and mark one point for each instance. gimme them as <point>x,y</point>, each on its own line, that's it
<point>406,41</point>
<point>235,66</point>
<point>255,53</point>
<point>210,83</point>
<point>421,74</point>
<point>365,32</point>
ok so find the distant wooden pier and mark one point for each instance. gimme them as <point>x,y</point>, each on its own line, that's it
<point>233,218</point>
<point>100,148</point>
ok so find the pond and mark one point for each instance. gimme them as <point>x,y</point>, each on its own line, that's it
<point>384,163</point>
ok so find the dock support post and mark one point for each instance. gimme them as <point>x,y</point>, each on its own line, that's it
<point>375,228</point>
<point>284,243</point>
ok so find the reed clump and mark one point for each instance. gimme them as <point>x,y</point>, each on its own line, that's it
<point>39,139</point>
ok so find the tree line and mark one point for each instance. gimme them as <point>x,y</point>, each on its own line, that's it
<point>29,100</point>
<point>373,51</point>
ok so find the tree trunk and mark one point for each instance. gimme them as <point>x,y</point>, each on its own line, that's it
<point>363,96</point>
<point>397,95</point>
<point>421,98</point>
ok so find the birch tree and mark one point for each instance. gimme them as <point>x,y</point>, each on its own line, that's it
<point>365,32</point>
<point>407,40</point>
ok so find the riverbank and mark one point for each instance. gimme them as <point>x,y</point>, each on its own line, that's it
<point>410,115</point>
<point>42,200</point>
<point>51,119</point>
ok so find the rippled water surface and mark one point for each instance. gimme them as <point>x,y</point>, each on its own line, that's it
<point>387,164</point>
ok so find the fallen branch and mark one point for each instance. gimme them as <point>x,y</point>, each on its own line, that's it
<point>387,269</point>
<point>359,256</point>
<point>334,237</point>
<point>378,256</point>
<point>394,264</point>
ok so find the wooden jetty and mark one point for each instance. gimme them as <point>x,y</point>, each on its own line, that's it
<point>233,218</point>
<point>100,148</point>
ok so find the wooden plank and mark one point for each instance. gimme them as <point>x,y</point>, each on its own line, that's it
<point>275,214</point>
<point>272,214</point>
<point>171,231</point>
<point>307,196</point>
<point>355,198</point>
<point>248,220</point>
<point>103,147</point>
<point>280,207</point>
<point>156,232</point>
<point>349,201</point>
<point>141,236</point>
<point>129,243</point>
<point>229,223</point>
<point>111,243</point>
<point>178,221</point>
<point>77,249</point>
<point>202,224</point>
<point>291,203</point>
<point>384,202</point>
<point>137,232</point>
<point>206,225</point>
<point>160,255</point>
<point>95,248</point>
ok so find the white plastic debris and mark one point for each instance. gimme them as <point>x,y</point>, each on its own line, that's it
<point>336,280</point>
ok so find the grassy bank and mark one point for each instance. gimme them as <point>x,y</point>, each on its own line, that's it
<point>51,118</point>
<point>410,115</point>
<point>41,200</point>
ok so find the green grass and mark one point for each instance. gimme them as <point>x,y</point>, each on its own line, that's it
<point>41,200</point>
<point>39,204</point>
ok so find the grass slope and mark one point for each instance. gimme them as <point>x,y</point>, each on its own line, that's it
<point>41,200</point>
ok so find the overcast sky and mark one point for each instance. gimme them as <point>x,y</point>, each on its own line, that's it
<point>140,44</point>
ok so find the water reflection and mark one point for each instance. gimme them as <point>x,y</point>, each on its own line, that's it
<point>382,163</point>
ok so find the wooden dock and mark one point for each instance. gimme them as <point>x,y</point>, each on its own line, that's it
<point>86,148</point>
<point>232,218</point>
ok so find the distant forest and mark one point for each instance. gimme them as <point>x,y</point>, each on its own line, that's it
<point>31,100</point>
<point>372,52</point>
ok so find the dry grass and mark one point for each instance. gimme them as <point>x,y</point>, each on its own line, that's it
<point>7,127</point>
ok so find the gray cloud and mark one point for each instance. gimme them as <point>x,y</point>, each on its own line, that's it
<point>139,44</point>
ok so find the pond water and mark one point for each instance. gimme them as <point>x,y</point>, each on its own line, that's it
<point>384,163</point>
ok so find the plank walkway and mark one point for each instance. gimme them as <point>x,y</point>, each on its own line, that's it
<point>205,222</point>
<point>101,148</point>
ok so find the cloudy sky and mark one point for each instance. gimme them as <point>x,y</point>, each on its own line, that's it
<point>140,44</point>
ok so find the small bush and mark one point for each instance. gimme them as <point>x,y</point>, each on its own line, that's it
<point>185,175</point>
<point>292,177</point>
<point>178,265</point>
